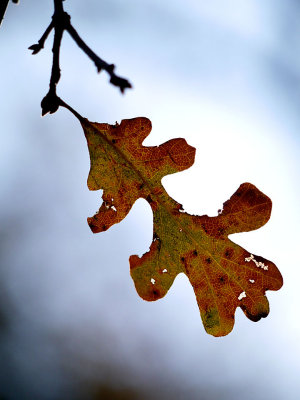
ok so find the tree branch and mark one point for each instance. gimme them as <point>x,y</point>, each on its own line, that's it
<point>40,44</point>
<point>3,7</point>
<point>61,21</point>
<point>100,64</point>
<point>50,102</point>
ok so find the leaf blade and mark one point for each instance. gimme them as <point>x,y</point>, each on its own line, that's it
<point>224,276</point>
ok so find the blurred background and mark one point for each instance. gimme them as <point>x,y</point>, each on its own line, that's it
<point>225,75</point>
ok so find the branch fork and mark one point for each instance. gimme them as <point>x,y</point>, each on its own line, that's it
<point>61,21</point>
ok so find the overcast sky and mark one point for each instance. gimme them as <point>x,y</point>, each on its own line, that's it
<point>225,75</point>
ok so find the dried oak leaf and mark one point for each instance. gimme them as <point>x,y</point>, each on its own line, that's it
<point>224,275</point>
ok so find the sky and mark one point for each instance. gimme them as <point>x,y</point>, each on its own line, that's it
<point>224,75</point>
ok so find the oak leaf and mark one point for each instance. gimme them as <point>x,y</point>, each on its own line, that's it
<point>224,276</point>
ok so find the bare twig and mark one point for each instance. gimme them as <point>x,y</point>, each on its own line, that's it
<point>100,64</point>
<point>61,21</point>
<point>3,7</point>
<point>50,102</point>
<point>40,44</point>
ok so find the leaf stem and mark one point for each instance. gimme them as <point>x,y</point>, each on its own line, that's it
<point>74,112</point>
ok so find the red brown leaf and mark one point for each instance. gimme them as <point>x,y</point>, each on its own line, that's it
<point>224,276</point>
